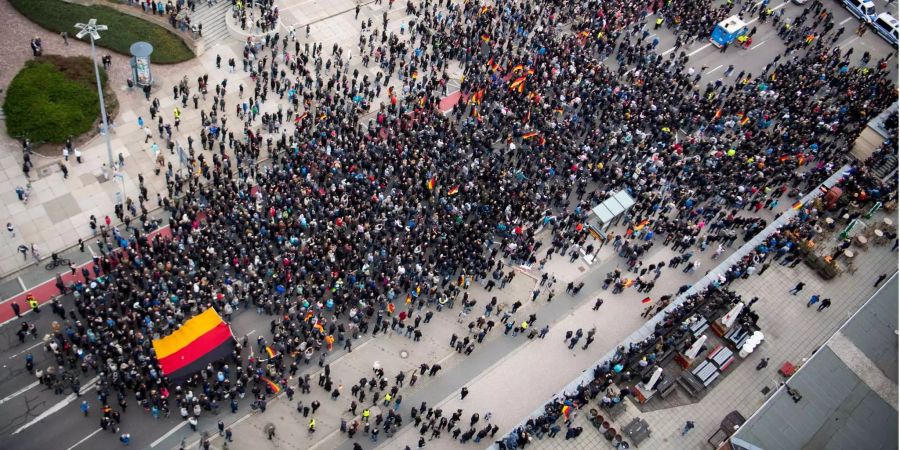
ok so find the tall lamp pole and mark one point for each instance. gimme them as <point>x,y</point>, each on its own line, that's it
<point>90,29</point>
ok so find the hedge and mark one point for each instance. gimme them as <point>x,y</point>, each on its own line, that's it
<point>124,30</point>
<point>54,97</point>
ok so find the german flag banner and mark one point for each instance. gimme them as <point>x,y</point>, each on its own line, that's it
<point>200,341</point>
<point>530,135</point>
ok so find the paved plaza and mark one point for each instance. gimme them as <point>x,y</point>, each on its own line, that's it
<point>508,376</point>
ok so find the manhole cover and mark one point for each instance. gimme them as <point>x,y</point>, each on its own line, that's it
<point>581,268</point>
<point>404,354</point>
<point>44,171</point>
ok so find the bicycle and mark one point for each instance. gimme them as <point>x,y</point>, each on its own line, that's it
<point>59,262</point>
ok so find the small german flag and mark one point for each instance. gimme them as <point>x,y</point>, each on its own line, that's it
<point>484,9</point>
<point>453,191</point>
<point>518,68</point>
<point>516,83</point>
<point>430,184</point>
<point>745,120</point>
<point>271,351</point>
<point>272,385</point>
<point>797,205</point>
<point>494,66</point>
<point>485,38</point>
<point>415,74</point>
<point>530,134</point>
<point>408,299</point>
<point>390,308</point>
<point>641,225</point>
<point>558,110</point>
<point>718,113</point>
<point>584,33</point>
<point>477,96</point>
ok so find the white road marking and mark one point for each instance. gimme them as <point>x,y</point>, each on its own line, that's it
<point>757,45</point>
<point>845,20</point>
<point>19,392</point>
<point>85,438</point>
<point>849,42</point>
<point>699,49</point>
<point>53,409</point>
<point>23,351</point>
<point>234,424</point>
<point>169,433</point>
<point>714,69</point>
<point>22,283</point>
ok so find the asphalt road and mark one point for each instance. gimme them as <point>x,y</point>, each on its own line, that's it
<point>35,418</point>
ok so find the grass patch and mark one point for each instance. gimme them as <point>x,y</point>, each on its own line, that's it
<point>55,97</point>
<point>124,30</point>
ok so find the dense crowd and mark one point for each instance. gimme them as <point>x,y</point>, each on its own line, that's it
<point>366,218</point>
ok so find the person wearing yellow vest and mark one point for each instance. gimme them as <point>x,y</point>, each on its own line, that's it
<point>312,425</point>
<point>659,23</point>
<point>366,414</point>
<point>387,399</point>
<point>32,302</point>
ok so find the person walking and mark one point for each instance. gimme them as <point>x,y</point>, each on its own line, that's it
<point>813,300</point>
<point>688,426</point>
<point>463,393</point>
<point>797,288</point>
<point>880,279</point>
<point>33,303</point>
<point>826,303</point>
<point>11,229</point>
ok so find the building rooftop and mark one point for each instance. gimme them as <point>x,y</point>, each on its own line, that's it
<point>847,390</point>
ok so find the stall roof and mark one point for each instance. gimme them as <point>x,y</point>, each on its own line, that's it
<point>624,199</point>
<point>613,206</point>
<point>603,214</point>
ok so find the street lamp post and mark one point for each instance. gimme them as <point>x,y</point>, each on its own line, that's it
<point>90,29</point>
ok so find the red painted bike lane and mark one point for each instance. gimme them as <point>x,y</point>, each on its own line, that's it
<point>46,291</point>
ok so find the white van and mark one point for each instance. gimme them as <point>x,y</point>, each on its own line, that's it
<point>861,9</point>
<point>887,27</point>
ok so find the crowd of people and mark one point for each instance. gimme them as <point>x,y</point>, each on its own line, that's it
<point>368,218</point>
